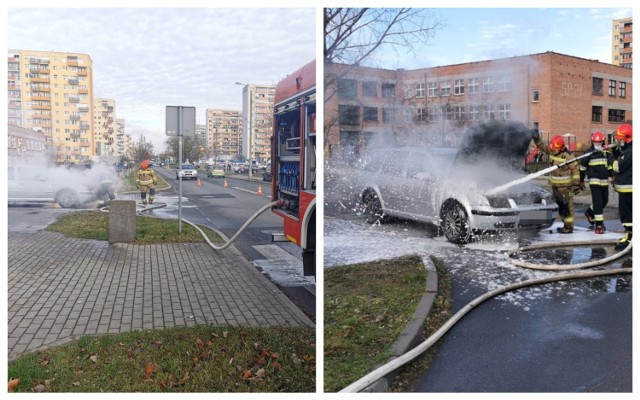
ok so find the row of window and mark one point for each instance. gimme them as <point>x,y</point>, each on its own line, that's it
<point>348,88</point>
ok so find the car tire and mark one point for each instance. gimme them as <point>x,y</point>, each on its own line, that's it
<point>455,223</point>
<point>372,210</point>
<point>67,198</point>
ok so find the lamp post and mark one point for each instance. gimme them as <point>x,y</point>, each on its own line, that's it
<point>249,129</point>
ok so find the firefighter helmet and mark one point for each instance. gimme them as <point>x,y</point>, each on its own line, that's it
<point>557,143</point>
<point>624,132</point>
<point>597,137</point>
<point>144,164</point>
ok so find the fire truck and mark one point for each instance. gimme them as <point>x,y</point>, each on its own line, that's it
<point>293,160</point>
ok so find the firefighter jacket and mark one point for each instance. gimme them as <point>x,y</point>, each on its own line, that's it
<point>146,177</point>
<point>566,176</point>
<point>597,168</point>
<point>622,168</point>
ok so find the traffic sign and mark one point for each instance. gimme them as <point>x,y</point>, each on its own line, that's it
<point>181,117</point>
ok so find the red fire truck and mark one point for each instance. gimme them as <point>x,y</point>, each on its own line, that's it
<point>293,160</point>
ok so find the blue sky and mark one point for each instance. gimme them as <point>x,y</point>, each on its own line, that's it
<point>475,34</point>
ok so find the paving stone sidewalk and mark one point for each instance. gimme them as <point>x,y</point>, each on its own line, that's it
<point>61,288</point>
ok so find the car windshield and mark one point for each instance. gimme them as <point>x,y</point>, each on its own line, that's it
<point>187,166</point>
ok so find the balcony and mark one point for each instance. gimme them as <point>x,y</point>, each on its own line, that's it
<point>41,106</point>
<point>82,72</point>
<point>85,144</point>
<point>73,81</point>
<point>74,99</point>
<point>84,125</point>
<point>83,91</point>
<point>75,135</point>
<point>72,61</point>
<point>40,98</point>
<point>75,117</point>
<point>41,79</point>
<point>83,108</point>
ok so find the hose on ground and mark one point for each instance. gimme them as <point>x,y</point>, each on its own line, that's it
<point>396,363</point>
<point>204,235</point>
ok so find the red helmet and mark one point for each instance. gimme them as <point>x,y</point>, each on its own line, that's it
<point>597,137</point>
<point>144,164</point>
<point>557,143</point>
<point>624,132</point>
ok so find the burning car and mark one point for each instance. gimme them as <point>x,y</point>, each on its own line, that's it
<point>448,187</point>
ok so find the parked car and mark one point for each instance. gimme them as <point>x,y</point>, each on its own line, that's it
<point>38,185</point>
<point>216,171</point>
<point>188,171</point>
<point>439,187</point>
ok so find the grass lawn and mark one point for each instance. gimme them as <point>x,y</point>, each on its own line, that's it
<point>184,359</point>
<point>366,308</point>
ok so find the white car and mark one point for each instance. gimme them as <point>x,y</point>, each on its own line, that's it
<point>42,185</point>
<point>187,171</point>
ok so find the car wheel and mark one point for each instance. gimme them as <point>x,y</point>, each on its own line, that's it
<point>373,212</point>
<point>67,198</point>
<point>455,223</point>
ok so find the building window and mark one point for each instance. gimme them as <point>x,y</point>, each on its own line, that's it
<point>369,89</point>
<point>488,84</point>
<point>474,112</point>
<point>458,113</point>
<point>488,113</point>
<point>504,111</point>
<point>504,83</point>
<point>622,92</point>
<point>597,86</point>
<point>421,114</point>
<point>370,114</point>
<point>388,115</point>
<point>420,90</point>
<point>434,113</point>
<point>432,89</point>
<point>612,88</point>
<point>347,88</point>
<point>596,114</point>
<point>348,115</point>
<point>388,90</point>
<point>445,88</point>
<point>458,87</point>
<point>535,95</point>
<point>616,115</point>
<point>474,85</point>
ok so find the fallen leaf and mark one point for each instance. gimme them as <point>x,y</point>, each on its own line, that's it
<point>148,370</point>
<point>39,388</point>
<point>261,361</point>
<point>94,358</point>
<point>184,379</point>
<point>158,344</point>
<point>246,374</point>
<point>266,352</point>
<point>13,383</point>
<point>276,365</point>
<point>225,334</point>
<point>275,355</point>
<point>199,342</point>
<point>76,383</point>
<point>261,373</point>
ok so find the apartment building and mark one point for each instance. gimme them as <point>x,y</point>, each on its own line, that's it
<point>52,93</point>
<point>622,42</point>
<point>104,122</point>
<point>224,133</point>
<point>553,92</point>
<point>257,121</point>
<point>27,145</point>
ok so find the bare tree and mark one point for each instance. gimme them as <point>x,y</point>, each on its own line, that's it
<point>353,35</point>
<point>143,150</point>
<point>190,147</point>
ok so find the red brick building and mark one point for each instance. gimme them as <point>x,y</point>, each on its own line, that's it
<point>554,92</point>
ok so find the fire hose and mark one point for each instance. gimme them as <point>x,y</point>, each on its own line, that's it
<point>398,362</point>
<point>213,246</point>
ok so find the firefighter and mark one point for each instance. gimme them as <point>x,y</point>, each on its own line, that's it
<point>565,180</point>
<point>146,181</point>
<point>597,169</point>
<point>622,168</point>
<point>105,191</point>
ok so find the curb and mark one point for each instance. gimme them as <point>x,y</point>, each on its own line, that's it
<point>410,336</point>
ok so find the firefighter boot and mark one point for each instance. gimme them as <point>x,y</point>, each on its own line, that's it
<point>590,216</point>
<point>624,242</point>
<point>565,229</point>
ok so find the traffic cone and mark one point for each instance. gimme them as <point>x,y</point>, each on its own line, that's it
<point>259,190</point>
<point>199,184</point>
<point>225,183</point>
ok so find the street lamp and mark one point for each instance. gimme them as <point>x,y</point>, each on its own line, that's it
<point>249,129</point>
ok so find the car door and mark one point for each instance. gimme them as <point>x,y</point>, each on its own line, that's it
<point>390,181</point>
<point>423,186</point>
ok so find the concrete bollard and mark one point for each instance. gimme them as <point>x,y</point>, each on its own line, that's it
<point>122,221</point>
